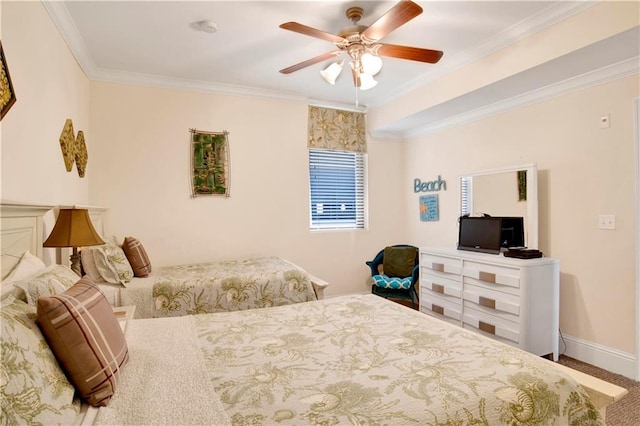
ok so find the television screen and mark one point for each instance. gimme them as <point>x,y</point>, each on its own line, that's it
<point>480,234</point>
<point>512,234</point>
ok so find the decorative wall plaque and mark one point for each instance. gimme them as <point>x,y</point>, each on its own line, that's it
<point>68,144</point>
<point>81,154</point>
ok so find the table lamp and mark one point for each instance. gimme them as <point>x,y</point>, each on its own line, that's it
<point>73,228</point>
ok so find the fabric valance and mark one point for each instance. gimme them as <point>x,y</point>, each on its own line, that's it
<point>337,130</point>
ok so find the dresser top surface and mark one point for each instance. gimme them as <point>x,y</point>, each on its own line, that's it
<point>485,257</point>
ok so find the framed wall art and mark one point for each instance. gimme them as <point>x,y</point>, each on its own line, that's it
<point>7,94</point>
<point>209,163</point>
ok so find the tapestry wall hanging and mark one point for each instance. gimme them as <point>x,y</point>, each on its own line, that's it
<point>209,163</point>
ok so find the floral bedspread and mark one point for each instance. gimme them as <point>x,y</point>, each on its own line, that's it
<point>362,360</point>
<point>229,286</point>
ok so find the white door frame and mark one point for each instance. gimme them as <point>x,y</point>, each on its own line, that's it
<point>636,168</point>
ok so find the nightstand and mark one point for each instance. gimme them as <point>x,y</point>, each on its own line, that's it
<point>124,314</point>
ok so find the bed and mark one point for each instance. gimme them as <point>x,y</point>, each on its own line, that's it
<point>219,286</point>
<point>124,272</point>
<point>357,359</point>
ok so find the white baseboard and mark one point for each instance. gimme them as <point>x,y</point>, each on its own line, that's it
<point>610,359</point>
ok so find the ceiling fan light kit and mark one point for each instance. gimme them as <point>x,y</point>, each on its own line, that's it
<point>362,46</point>
<point>331,73</point>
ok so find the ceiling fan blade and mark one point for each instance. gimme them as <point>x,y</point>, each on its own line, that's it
<point>398,15</point>
<point>303,29</point>
<point>311,61</point>
<point>407,52</point>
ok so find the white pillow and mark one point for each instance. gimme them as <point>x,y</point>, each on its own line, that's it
<point>28,266</point>
<point>51,280</point>
<point>112,263</point>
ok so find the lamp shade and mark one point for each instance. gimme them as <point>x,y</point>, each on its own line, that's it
<point>73,228</point>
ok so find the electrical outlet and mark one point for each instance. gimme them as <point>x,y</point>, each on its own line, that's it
<point>607,221</point>
<point>605,122</point>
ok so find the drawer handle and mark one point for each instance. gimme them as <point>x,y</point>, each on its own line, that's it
<point>437,309</point>
<point>487,303</point>
<point>438,267</point>
<point>437,288</point>
<point>491,329</point>
<point>488,277</point>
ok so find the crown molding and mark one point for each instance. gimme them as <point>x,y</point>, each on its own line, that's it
<point>534,24</point>
<point>584,81</point>
<point>62,19</point>
<point>64,23</point>
<point>151,80</point>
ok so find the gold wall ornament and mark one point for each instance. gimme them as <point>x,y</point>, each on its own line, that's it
<point>81,154</point>
<point>7,94</point>
<point>74,148</point>
<point>68,144</point>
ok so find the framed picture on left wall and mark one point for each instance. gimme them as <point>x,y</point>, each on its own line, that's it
<point>7,95</point>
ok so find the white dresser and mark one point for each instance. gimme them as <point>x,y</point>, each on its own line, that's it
<point>512,300</point>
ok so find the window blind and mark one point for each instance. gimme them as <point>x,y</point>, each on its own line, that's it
<point>466,195</point>
<point>337,189</point>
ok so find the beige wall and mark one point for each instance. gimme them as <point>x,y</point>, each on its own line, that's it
<point>583,171</point>
<point>139,168</point>
<point>141,172</point>
<point>50,87</point>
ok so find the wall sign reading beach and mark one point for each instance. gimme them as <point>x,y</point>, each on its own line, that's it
<point>209,163</point>
<point>429,203</point>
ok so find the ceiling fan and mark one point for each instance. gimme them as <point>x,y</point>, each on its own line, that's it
<point>362,45</point>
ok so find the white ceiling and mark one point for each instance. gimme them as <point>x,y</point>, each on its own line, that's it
<point>155,43</point>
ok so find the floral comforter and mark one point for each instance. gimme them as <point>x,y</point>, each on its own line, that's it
<point>219,287</point>
<point>362,360</point>
<point>351,360</point>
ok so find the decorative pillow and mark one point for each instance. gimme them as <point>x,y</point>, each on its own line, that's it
<point>137,257</point>
<point>112,264</point>
<point>53,279</point>
<point>394,283</point>
<point>89,265</point>
<point>85,336</point>
<point>33,389</point>
<point>399,261</point>
<point>28,266</point>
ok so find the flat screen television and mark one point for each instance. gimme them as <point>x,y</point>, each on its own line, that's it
<point>512,234</point>
<point>481,234</point>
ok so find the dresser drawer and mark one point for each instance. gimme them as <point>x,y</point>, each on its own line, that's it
<point>441,285</point>
<point>491,325</point>
<point>492,276</point>
<point>441,308</point>
<point>491,301</point>
<point>440,266</point>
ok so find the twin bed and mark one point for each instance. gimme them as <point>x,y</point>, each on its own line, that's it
<point>357,359</point>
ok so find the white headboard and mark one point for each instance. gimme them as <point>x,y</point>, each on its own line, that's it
<point>23,227</point>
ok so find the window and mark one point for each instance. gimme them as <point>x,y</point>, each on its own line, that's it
<point>337,187</point>
<point>466,195</point>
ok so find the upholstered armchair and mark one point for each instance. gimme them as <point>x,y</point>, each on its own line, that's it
<point>395,272</point>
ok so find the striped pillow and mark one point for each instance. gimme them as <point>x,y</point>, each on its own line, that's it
<point>137,257</point>
<point>86,338</point>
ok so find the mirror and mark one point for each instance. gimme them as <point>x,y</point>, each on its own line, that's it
<point>508,191</point>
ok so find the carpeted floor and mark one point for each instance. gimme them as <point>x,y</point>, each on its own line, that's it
<point>625,412</point>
